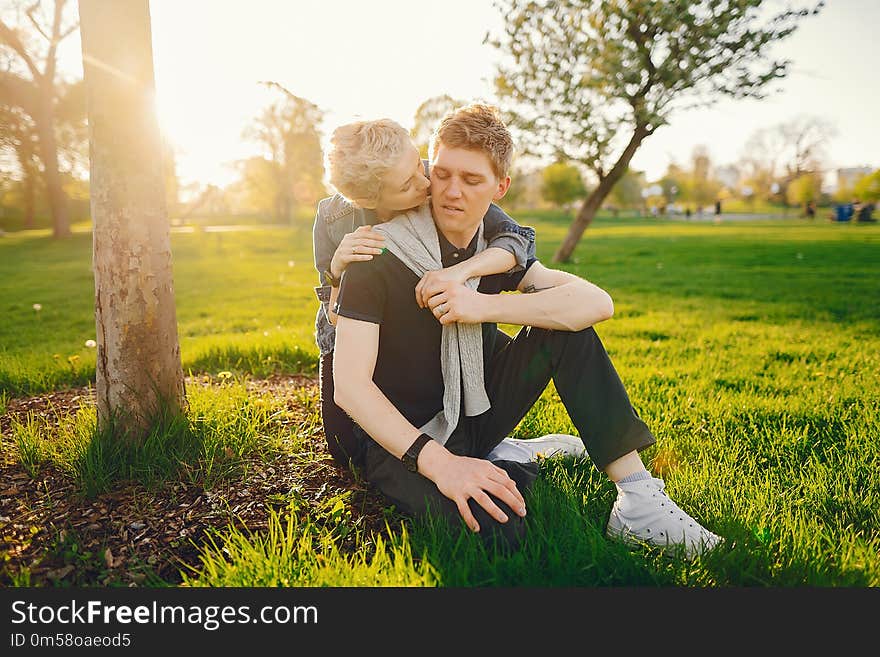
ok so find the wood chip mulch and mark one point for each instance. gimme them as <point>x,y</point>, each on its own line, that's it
<point>135,536</point>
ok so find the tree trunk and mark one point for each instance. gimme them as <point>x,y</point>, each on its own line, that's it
<point>139,372</point>
<point>594,201</point>
<point>28,188</point>
<point>49,154</point>
<point>29,193</point>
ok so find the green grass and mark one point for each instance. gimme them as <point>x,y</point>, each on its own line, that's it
<point>245,304</point>
<point>750,349</point>
<point>224,425</point>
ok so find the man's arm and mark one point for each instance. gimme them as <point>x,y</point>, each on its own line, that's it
<point>552,299</point>
<point>457,477</point>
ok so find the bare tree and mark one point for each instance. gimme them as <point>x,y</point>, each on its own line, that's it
<point>288,130</point>
<point>37,96</point>
<point>805,138</point>
<point>138,369</point>
<point>427,117</point>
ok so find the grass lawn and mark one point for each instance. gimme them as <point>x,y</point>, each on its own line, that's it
<point>751,349</point>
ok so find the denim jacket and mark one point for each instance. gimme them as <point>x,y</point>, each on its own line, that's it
<point>336,217</point>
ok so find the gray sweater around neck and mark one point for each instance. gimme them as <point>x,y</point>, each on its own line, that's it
<point>412,238</point>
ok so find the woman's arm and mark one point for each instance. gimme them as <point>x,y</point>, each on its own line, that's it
<point>323,248</point>
<point>493,260</point>
<point>503,232</point>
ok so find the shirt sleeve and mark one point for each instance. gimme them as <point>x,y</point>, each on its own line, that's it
<point>323,248</point>
<point>362,292</point>
<point>507,282</point>
<point>503,232</point>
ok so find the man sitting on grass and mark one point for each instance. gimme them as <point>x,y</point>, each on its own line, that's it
<point>431,394</point>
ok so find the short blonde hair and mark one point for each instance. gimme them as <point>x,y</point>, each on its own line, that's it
<point>477,127</point>
<point>361,153</point>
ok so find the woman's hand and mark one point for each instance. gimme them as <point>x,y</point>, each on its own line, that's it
<point>360,244</point>
<point>440,280</point>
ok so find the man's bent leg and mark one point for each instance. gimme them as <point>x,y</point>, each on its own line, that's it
<point>611,430</point>
<point>415,494</point>
<point>586,381</point>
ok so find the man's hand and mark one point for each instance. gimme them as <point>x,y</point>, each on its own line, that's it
<point>461,478</point>
<point>360,244</point>
<point>435,282</point>
<point>458,303</point>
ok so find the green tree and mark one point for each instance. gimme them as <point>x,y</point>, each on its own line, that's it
<point>867,188</point>
<point>592,79</point>
<point>36,91</point>
<point>427,117</point>
<point>561,183</point>
<point>19,139</point>
<point>803,190</point>
<point>627,191</point>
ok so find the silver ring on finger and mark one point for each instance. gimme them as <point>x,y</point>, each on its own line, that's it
<point>354,250</point>
<point>442,309</point>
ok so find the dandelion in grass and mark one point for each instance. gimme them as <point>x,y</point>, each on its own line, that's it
<point>290,263</point>
<point>38,307</point>
<point>224,375</point>
<point>91,344</point>
<point>72,359</point>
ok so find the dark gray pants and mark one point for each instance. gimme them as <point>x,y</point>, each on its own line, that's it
<point>590,389</point>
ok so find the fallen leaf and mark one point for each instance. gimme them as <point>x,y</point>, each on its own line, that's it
<point>61,573</point>
<point>108,558</point>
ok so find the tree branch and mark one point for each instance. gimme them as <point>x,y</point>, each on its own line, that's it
<point>30,14</point>
<point>53,44</point>
<point>10,38</point>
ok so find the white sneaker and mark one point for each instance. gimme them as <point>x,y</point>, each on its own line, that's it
<point>547,446</point>
<point>644,514</point>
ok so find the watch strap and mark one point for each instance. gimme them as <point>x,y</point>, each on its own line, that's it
<point>411,457</point>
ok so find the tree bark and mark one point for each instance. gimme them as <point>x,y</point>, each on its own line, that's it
<point>594,201</point>
<point>139,373</point>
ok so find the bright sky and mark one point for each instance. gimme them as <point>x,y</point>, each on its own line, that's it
<point>357,59</point>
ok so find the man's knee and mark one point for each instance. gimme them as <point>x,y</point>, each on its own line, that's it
<point>503,536</point>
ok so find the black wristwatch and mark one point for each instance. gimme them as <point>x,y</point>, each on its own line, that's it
<point>411,457</point>
<point>334,282</point>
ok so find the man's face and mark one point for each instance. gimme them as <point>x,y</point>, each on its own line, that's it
<point>405,185</point>
<point>463,184</point>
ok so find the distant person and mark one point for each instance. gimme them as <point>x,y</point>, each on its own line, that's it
<point>811,210</point>
<point>717,208</point>
<point>687,212</point>
<point>865,212</point>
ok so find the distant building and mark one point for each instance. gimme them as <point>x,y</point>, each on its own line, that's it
<point>847,177</point>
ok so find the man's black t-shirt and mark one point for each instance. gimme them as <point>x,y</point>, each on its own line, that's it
<point>408,369</point>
